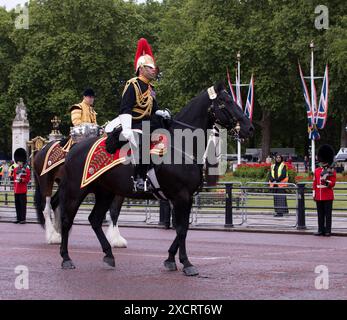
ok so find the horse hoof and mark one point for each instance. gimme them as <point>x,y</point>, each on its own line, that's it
<point>190,271</point>
<point>170,265</point>
<point>109,262</point>
<point>55,238</point>
<point>68,264</point>
<point>119,243</point>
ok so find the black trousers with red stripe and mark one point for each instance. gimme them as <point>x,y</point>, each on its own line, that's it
<point>21,206</point>
<point>324,209</point>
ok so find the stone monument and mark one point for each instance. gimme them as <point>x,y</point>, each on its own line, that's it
<point>55,134</point>
<point>20,128</point>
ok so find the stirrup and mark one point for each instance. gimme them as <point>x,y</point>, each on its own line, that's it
<point>139,184</point>
<point>142,185</point>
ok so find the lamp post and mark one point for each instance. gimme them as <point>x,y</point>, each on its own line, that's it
<point>314,108</point>
<point>238,128</point>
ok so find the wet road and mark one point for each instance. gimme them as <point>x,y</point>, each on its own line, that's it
<point>232,265</point>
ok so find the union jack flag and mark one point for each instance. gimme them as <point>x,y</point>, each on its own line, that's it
<point>250,100</point>
<point>231,87</point>
<point>310,116</point>
<point>238,93</point>
<point>322,113</point>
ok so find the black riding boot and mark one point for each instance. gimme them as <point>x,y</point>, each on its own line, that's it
<point>141,173</point>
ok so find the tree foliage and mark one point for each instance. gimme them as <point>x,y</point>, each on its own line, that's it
<point>71,45</point>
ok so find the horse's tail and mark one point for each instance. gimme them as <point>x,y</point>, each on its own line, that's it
<point>39,205</point>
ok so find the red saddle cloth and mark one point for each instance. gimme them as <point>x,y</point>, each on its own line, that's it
<point>99,160</point>
<point>55,156</point>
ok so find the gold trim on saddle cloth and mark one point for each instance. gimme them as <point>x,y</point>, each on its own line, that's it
<point>87,180</point>
<point>48,165</point>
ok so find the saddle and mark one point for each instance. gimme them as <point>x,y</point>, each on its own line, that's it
<point>112,142</point>
<point>107,152</point>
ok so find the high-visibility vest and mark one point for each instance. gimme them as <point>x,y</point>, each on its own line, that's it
<point>280,169</point>
<point>11,169</point>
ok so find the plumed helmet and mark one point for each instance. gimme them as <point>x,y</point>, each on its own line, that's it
<point>20,155</point>
<point>144,55</point>
<point>88,92</point>
<point>326,154</point>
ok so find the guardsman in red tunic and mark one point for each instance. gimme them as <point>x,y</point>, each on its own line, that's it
<point>323,184</point>
<point>21,178</point>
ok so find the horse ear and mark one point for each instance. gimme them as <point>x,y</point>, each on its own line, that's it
<point>219,86</point>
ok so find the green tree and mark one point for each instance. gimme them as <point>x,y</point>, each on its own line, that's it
<point>69,46</point>
<point>8,58</point>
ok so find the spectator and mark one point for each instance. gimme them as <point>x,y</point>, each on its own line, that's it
<point>21,177</point>
<point>268,159</point>
<point>13,165</point>
<point>166,212</point>
<point>323,184</point>
<point>5,176</point>
<point>306,163</point>
<point>1,172</point>
<point>290,160</point>
<point>278,178</point>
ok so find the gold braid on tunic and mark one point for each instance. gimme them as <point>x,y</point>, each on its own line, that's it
<point>144,101</point>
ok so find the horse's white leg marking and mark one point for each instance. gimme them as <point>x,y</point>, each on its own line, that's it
<point>114,237</point>
<point>52,236</point>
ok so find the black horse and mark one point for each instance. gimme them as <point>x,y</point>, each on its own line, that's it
<point>177,181</point>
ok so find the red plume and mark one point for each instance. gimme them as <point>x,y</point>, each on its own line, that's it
<point>143,48</point>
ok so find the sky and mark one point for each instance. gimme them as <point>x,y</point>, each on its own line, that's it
<point>10,4</point>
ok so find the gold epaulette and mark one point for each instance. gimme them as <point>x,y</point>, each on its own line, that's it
<point>75,106</point>
<point>129,82</point>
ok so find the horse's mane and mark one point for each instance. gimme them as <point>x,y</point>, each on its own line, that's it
<point>186,111</point>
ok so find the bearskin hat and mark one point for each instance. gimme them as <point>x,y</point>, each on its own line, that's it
<point>144,55</point>
<point>326,154</point>
<point>88,93</point>
<point>20,155</point>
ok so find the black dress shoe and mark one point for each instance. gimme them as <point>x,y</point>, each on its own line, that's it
<point>16,222</point>
<point>319,233</point>
<point>327,234</point>
<point>278,215</point>
<point>22,222</point>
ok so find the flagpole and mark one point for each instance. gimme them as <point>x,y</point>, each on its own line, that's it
<point>313,146</point>
<point>239,90</point>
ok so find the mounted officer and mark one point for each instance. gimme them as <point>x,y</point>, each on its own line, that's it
<point>83,118</point>
<point>139,104</point>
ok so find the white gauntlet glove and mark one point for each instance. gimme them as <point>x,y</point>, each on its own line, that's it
<point>127,132</point>
<point>165,114</point>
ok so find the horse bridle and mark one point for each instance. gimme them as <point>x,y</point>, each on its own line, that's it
<point>219,106</point>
